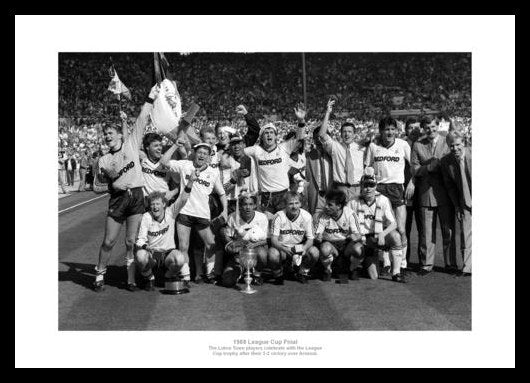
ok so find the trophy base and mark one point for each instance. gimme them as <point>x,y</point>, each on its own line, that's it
<point>249,291</point>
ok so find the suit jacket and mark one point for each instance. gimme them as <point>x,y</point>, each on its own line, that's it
<point>452,179</point>
<point>313,172</point>
<point>429,183</point>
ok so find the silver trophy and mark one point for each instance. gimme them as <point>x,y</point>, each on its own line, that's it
<point>248,259</point>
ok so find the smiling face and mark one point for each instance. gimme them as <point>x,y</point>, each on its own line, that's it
<point>112,137</point>
<point>268,138</point>
<point>154,150</point>
<point>388,134</point>
<point>237,148</point>
<point>457,147</point>
<point>201,156</point>
<point>293,206</point>
<point>247,207</point>
<point>431,130</point>
<point>223,137</point>
<point>333,208</point>
<point>209,138</point>
<point>347,134</point>
<point>368,190</point>
<point>157,207</point>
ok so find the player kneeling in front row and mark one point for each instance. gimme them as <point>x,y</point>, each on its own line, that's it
<point>376,230</point>
<point>246,228</point>
<point>335,231</point>
<point>289,228</point>
<point>155,243</point>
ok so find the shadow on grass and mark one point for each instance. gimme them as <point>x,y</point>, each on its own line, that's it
<point>84,274</point>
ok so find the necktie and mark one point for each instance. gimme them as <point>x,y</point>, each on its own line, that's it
<point>432,146</point>
<point>349,166</point>
<point>465,186</point>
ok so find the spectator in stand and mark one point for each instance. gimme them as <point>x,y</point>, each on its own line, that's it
<point>61,172</point>
<point>70,168</point>
<point>83,166</point>
<point>63,135</point>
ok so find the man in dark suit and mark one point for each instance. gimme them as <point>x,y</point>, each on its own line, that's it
<point>456,172</point>
<point>319,175</point>
<point>433,200</point>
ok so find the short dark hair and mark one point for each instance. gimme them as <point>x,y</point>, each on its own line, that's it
<point>243,197</point>
<point>410,121</point>
<point>426,120</point>
<point>149,138</point>
<point>347,124</point>
<point>337,196</point>
<point>387,121</point>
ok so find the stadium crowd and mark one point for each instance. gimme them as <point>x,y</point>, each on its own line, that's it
<point>330,195</point>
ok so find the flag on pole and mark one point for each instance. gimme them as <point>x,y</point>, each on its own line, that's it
<point>116,86</point>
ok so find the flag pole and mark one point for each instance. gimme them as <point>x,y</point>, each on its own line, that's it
<point>304,79</point>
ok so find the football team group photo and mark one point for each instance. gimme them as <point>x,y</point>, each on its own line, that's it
<point>265,191</point>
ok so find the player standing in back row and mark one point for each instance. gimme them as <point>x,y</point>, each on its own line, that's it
<point>273,163</point>
<point>121,169</point>
<point>387,156</point>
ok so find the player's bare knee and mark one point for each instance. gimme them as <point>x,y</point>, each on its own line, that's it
<point>129,243</point>
<point>394,239</point>
<point>313,253</point>
<point>357,251</point>
<point>108,244</point>
<point>273,256</point>
<point>142,258</point>
<point>326,250</point>
<point>262,255</point>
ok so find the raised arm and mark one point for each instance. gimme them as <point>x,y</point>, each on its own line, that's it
<point>300,113</point>
<point>142,120</point>
<point>124,125</point>
<point>166,157</point>
<point>324,127</point>
<point>252,124</point>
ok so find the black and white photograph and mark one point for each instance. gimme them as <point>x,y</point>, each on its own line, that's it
<point>326,184</point>
<point>255,198</point>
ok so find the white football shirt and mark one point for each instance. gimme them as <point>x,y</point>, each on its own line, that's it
<point>208,181</point>
<point>159,236</point>
<point>249,183</point>
<point>336,230</point>
<point>237,227</point>
<point>156,177</point>
<point>126,161</point>
<point>289,232</point>
<point>389,163</point>
<point>368,227</point>
<point>273,167</point>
